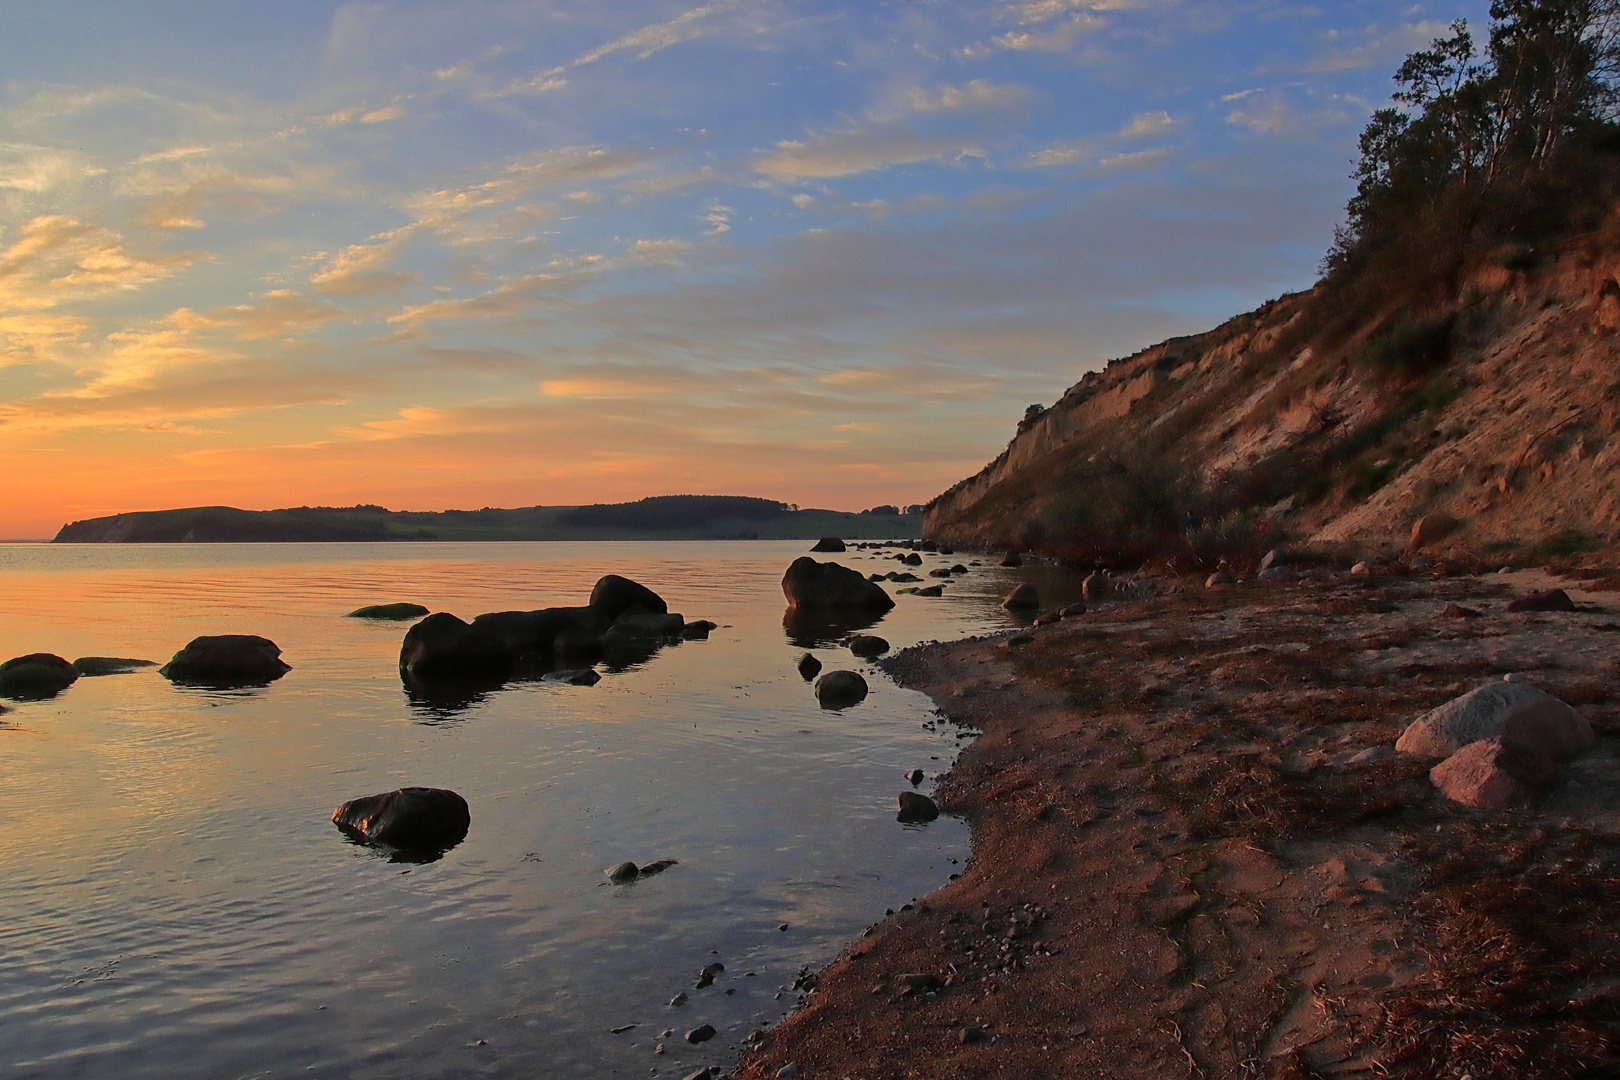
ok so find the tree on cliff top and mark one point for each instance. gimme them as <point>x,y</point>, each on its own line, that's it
<point>1484,147</point>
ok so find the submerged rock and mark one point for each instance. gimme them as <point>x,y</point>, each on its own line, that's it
<point>412,818</point>
<point>840,689</point>
<point>227,660</point>
<point>397,612</point>
<point>36,675</point>
<point>574,677</point>
<point>89,666</point>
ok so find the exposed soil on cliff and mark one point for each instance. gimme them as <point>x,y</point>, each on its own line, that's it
<point>1195,855</point>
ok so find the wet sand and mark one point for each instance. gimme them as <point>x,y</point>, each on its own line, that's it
<point>1196,854</point>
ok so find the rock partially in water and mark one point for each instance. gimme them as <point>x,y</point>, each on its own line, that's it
<point>915,776</point>
<point>868,645</point>
<point>1023,598</point>
<point>613,595</point>
<point>413,819</point>
<point>840,689</point>
<point>916,808</point>
<point>227,660</point>
<point>36,675</point>
<point>816,586</point>
<point>576,647</point>
<point>828,543</point>
<point>622,872</point>
<point>90,666</point>
<point>700,1034</point>
<point>442,647</point>
<point>809,666</point>
<point>1012,558</point>
<point>699,630</point>
<point>396,612</point>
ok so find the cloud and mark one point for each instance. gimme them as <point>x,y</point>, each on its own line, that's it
<point>669,182</point>
<point>1379,47</point>
<point>366,269</point>
<point>278,313</point>
<point>975,94</point>
<point>858,150</point>
<point>1096,149</point>
<point>521,177</point>
<point>1274,116</point>
<point>57,259</point>
<point>1060,38</point>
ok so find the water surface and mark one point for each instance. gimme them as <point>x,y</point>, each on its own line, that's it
<point>176,902</point>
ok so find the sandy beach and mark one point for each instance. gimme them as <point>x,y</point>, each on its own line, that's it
<point>1196,853</point>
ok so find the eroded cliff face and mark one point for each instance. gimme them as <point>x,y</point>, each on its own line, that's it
<point>1498,408</point>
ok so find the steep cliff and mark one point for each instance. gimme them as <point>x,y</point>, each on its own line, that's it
<point>1495,402</point>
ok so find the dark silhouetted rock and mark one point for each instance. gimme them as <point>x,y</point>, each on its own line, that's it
<point>576,647</point>
<point>88,666</point>
<point>912,559</point>
<point>657,626</point>
<point>442,647</point>
<point>930,590</point>
<point>829,543</point>
<point>868,645</point>
<point>809,666</point>
<point>916,807</point>
<point>940,571</point>
<point>413,818</point>
<point>1023,598</point>
<point>397,612</point>
<point>916,776</point>
<point>614,595</point>
<point>1494,774</point>
<point>625,871</point>
<point>1069,611</point>
<point>227,660</point>
<point>812,585</point>
<point>903,577</point>
<point>535,633</point>
<point>37,675</point>
<point>1012,558</point>
<point>1219,577</point>
<point>699,630</point>
<point>701,1034</point>
<point>1097,586</point>
<point>1548,600</point>
<point>1514,711</point>
<point>959,569</point>
<point>840,689</point>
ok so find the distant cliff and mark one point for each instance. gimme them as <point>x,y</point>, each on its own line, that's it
<point>666,517</point>
<point>1494,401</point>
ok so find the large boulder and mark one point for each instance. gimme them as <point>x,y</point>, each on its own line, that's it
<point>412,818</point>
<point>1495,774</point>
<point>840,689</point>
<point>442,647</point>
<point>1430,529</point>
<point>227,660</point>
<point>916,808</point>
<point>535,632</point>
<point>1517,712</point>
<point>613,595</point>
<point>1023,598</point>
<point>827,586</point>
<point>829,543</point>
<point>391,612</point>
<point>36,675</point>
<point>576,647</point>
<point>867,646</point>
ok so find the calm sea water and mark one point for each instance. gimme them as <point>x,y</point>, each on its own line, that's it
<point>175,902</point>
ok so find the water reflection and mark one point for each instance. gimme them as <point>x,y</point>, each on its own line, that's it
<point>807,629</point>
<point>442,701</point>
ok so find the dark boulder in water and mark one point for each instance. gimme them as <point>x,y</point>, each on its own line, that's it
<point>699,630</point>
<point>395,612</point>
<point>576,647</point>
<point>227,660</point>
<point>523,633</point>
<point>828,586</point>
<point>614,595</point>
<point>88,666</point>
<point>829,543</point>
<point>809,666</point>
<point>37,675</point>
<point>1012,558</point>
<point>412,818</point>
<point>442,647</point>
<point>576,677</point>
<point>840,689</point>
<point>868,645</point>
<point>916,808</point>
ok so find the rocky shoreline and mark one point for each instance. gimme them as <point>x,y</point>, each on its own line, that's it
<point>1197,853</point>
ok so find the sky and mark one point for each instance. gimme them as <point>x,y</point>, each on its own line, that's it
<point>439,255</point>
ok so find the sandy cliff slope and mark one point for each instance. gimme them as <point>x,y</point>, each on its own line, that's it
<point>1497,404</point>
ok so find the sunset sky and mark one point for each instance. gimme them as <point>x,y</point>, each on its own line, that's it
<point>492,253</point>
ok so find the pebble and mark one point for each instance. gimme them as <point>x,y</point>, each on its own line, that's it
<point>915,776</point>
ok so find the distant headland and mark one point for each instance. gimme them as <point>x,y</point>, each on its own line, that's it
<point>660,517</point>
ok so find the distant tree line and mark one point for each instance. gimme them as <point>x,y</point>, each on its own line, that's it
<point>674,512</point>
<point>1514,142</point>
